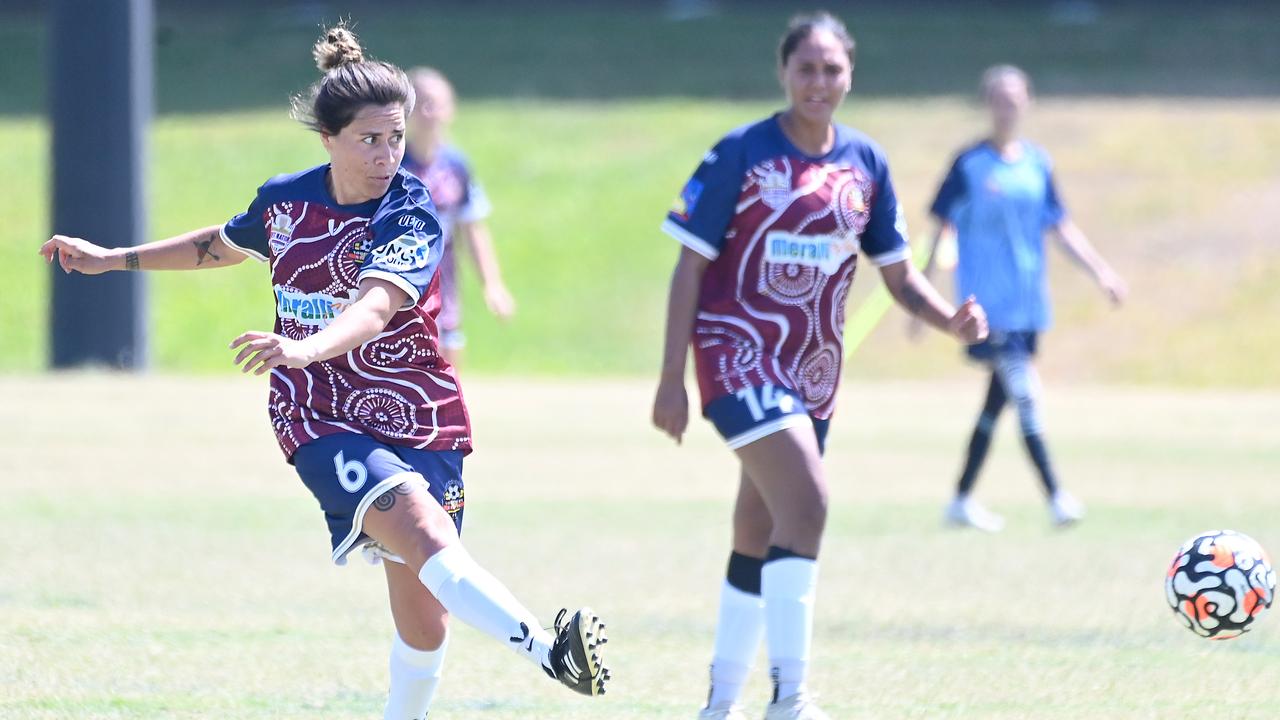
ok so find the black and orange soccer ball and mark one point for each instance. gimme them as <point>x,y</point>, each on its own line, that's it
<point>1219,584</point>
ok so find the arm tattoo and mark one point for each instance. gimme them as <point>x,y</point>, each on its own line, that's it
<point>203,249</point>
<point>912,298</point>
<point>130,260</point>
<point>387,500</point>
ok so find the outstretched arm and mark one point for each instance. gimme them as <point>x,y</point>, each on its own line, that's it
<point>921,299</point>
<point>1074,242</point>
<point>356,325</point>
<point>197,249</point>
<point>671,403</point>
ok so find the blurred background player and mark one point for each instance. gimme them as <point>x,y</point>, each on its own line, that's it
<point>771,225</point>
<point>362,405</point>
<point>998,200</point>
<point>460,204</point>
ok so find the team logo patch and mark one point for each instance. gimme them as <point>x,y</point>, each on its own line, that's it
<point>411,251</point>
<point>775,189</point>
<point>825,252</point>
<point>455,497</point>
<point>688,199</point>
<point>281,231</point>
<point>312,309</point>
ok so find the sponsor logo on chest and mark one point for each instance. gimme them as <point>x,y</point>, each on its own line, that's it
<point>311,309</point>
<point>825,252</point>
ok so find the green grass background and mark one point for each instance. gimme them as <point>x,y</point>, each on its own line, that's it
<point>168,565</point>
<point>583,122</point>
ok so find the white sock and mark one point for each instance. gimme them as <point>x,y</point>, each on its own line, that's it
<point>739,630</point>
<point>476,598</point>
<point>414,676</point>
<point>788,586</point>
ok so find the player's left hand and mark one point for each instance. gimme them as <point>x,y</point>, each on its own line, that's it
<point>499,300</point>
<point>1115,287</point>
<point>970,322</point>
<point>263,350</point>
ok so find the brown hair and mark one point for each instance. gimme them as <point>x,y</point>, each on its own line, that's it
<point>802,26</point>
<point>350,83</point>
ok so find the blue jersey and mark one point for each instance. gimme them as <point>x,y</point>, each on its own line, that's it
<point>1001,209</point>
<point>783,231</point>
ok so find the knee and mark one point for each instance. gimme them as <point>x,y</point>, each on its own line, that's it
<point>808,516</point>
<point>428,634</point>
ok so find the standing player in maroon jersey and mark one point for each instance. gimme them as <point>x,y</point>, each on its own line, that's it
<point>461,205</point>
<point>772,224</point>
<point>361,401</point>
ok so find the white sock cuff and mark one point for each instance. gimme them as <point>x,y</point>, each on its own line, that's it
<point>798,575</point>
<point>424,659</point>
<point>447,564</point>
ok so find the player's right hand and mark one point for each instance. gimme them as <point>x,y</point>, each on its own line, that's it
<point>671,409</point>
<point>79,255</point>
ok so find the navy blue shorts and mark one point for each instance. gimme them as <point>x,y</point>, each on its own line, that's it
<point>755,412</point>
<point>998,343</point>
<point>349,473</point>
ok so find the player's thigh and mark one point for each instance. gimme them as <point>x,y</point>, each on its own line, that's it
<point>786,468</point>
<point>416,520</point>
<point>419,618</point>
<point>352,476</point>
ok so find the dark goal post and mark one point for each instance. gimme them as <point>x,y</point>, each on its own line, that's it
<point>100,91</point>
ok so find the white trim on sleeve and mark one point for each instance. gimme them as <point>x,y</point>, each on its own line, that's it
<point>398,281</point>
<point>689,240</point>
<point>222,231</point>
<point>891,257</point>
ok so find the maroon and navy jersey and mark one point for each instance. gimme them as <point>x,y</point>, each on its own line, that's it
<point>783,231</point>
<point>458,198</point>
<point>396,387</point>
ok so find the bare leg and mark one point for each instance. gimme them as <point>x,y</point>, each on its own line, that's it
<point>418,650</point>
<point>786,469</point>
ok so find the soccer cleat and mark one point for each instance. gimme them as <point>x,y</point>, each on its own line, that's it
<point>796,707</point>
<point>723,711</point>
<point>575,657</point>
<point>1065,509</point>
<point>966,512</point>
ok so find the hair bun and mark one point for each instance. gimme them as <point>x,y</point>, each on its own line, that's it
<point>337,47</point>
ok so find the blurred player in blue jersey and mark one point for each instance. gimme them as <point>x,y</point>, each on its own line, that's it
<point>772,225</point>
<point>460,203</point>
<point>998,201</point>
<point>362,404</point>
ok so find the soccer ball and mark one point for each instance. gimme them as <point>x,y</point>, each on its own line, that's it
<point>1220,582</point>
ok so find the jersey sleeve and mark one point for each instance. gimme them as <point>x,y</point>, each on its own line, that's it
<point>1054,212</point>
<point>885,238</point>
<point>406,246</point>
<point>247,232</point>
<point>705,206</point>
<point>475,203</point>
<point>950,193</point>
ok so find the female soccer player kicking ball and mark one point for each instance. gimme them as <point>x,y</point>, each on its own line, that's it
<point>361,401</point>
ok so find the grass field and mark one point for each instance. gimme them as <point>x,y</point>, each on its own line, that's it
<point>161,561</point>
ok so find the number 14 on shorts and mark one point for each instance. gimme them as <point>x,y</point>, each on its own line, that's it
<point>765,397</point>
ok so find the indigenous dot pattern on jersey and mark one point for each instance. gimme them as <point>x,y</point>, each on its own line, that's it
<point>783,231</point>
<point>1219,584</point>
<point>395,388</point>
